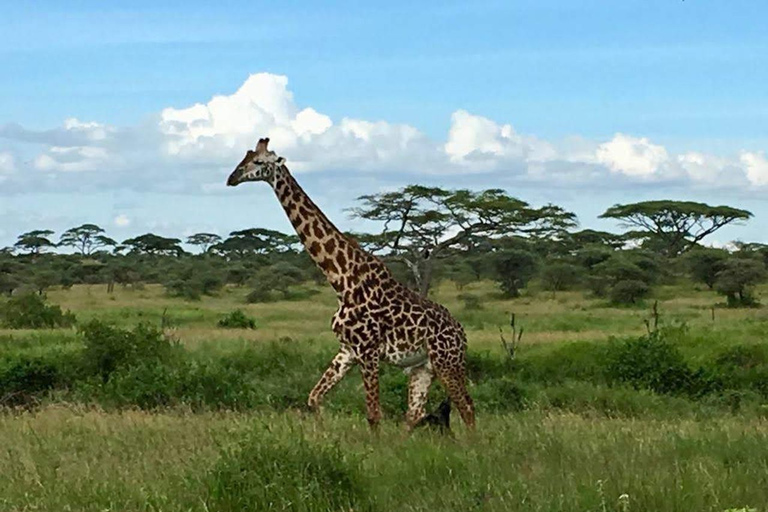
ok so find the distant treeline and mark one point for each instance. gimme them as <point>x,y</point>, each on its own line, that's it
<point>428,234</point>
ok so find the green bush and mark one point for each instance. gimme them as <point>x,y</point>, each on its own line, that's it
<point>268,472</point>
<point>652,362</point>
<point>737,279</point>
<point>30,311</point>
<point>108,348</point>
<point>628,292</point>
<point>237,319</point>
<point>471,301</point>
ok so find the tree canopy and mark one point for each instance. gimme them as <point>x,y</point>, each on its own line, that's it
<point>154,244</point>
<point>34,242</point>
<point>86,239</point>
<point>674,227</point>
<point>421,224</point>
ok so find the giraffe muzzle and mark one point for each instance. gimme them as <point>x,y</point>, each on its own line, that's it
<point>234,178</point>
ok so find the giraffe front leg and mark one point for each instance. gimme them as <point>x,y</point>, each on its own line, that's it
<point>339,366</point>
<point>418,391</point>
<point>369,368</point>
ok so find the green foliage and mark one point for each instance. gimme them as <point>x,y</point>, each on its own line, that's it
<point>653,362</point>
<point>560,275</point>
<point>275,278</point>
<point>628,291</point>
<point>674,227</point>
<point>86,239</point>
<point>237,319</point>
<point>34,242</point>
<point>737,278</point>
<point>193,280</point>
<point>109,348</point>
<point>270,472</point>
<point>471,301</point>
<point>515,267</point>
<point>152,244</point>
<point>704,263</point>
<point>31,311</point>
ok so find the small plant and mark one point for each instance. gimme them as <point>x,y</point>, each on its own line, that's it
<point>30,311</point>
<point>237,320</point>
<point>511,348</point>
<point>471,301</point>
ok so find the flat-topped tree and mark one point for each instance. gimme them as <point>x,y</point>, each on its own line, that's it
<point>155,245</point>
<point>674,227</point>
<point>421,224</point>
<point>378,318</point>
<point>86,239</point>
<point>204,240</point>
<point>248,242</point>
<point>34,242</point>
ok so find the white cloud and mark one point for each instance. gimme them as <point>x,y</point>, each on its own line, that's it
<point>122,220</point>
<point>72,159</point>
<point>757,168</point>
<point>7,163</point>
<point>632,156</point>
<point>190,150</point>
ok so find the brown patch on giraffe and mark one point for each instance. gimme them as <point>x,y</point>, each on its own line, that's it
<point>314,248</point>
<point>319,232</point>
<point>330,245</point>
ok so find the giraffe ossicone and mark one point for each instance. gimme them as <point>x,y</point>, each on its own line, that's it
<point>378,319</point>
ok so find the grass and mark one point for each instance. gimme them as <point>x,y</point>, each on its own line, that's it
<point>92,460</point>
<point>554,432</point>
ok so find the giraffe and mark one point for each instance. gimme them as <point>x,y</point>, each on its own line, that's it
<point>378,318</point>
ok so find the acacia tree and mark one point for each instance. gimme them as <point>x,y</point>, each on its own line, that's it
<point>674,227</point>
<point>203,240</point>
<point>86,239</point>
<point>34,242</point>
<point>423,224</point>
<point>255,241</point>
<point>154,245</point>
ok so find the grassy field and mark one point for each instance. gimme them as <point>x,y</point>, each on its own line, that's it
<point>219,425</point>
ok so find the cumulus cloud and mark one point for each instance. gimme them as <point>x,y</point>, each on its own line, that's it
<point>757,168</point>
<point>635,157</point>
<point>191,149</point>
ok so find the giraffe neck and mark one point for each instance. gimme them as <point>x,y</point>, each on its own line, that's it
<point>333,252</point>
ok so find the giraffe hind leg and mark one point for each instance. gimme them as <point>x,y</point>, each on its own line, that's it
<point>454,380</point>
<point>418,390</point>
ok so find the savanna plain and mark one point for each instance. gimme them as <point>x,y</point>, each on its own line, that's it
<point>599,408</point>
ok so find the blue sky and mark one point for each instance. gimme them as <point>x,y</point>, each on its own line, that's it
<point>605,101</point>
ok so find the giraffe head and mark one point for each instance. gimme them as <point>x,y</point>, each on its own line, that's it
<point>259,164</point>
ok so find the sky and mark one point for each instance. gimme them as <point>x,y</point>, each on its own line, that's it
<point>130,115</point>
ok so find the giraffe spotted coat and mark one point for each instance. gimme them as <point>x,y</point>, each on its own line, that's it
<point>378,318</point>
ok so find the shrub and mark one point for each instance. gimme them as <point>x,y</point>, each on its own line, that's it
<point>30,311</point>
<point>237,320</point>
<point>20,379</point>
<point>737,278</point>
<point>558,275</point>
<point>267,472</point>
<point>108,348</point>
<point>471,301</point>
<point>703,264</point>
<point>514,268</point>
<point>628,292</point>
<point>651,362</point>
